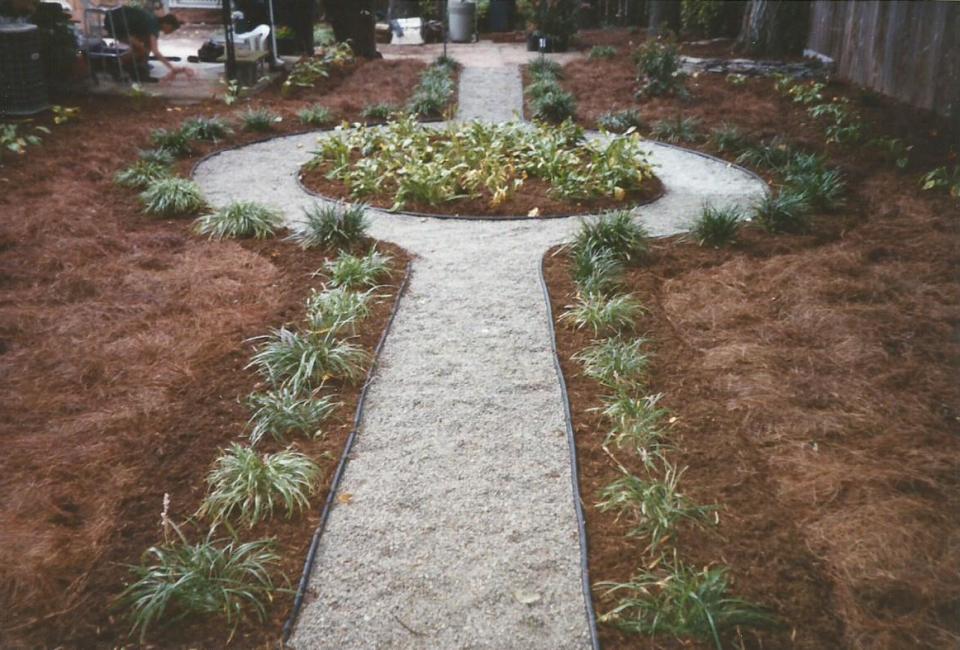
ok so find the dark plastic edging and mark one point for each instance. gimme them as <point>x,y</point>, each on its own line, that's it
<point>341,466</point>
<point>574,468</point>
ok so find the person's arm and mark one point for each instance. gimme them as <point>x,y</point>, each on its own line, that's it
<point>174,70</point>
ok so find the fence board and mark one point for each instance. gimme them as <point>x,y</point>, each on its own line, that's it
<point>909,50</point>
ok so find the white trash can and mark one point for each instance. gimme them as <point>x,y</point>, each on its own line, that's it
<point>462,17</point>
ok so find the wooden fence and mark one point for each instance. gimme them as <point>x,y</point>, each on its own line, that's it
<point>908,50</point>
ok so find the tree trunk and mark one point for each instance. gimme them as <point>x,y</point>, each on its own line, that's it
<point>773,28</point>
<point>353,22</point>
<point>664,15</point>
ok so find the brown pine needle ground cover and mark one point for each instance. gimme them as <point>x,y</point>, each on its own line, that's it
<point>814,378</point>
<point>122,361</point>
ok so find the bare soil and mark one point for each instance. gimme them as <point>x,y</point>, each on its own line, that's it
<point>814,381</point>
<point>123,342</point>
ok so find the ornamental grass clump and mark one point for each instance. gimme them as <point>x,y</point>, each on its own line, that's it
<point>206,128</point>
<point>379,112</point>
<point>212,577</point>
<point>157,156</point>
<point>621,121</point>
<point>544,67</point>
<point>316,115</point>
<point>176,143</point>
<point>596,271</point>
<point>615,363</point>
<point>555,106</point>
<point>245,486</point>
<point>303,361</point>
<point>683,602</point>
<point>337,308</point>
<point>806,174</point>
<point>772,155</point>
<point>602,314</point>
<point>434,92</point>
<point>653,505</point>
<point>357,271</point>
<point>636,423</point>
<point>281,411</point>
<point>240,219</point>
<point>616,234</point>
<point>602,52</point>
<point>258,120</point>
<point>679,129</point>
<point>786,211</point>
<point>332,226</point>
<point>141,174</point>
<point>717,226</point>
<point>172,197</point>
<point>729,139</point>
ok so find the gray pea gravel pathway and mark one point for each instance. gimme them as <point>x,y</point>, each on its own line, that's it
<point>460,528</point>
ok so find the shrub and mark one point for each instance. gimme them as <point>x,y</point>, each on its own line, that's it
<point>215,576</point>
<point>604,315</point>
<point>658,65</point>
<point>554,106</point>
<point>822,188</point>
<point>774,155</point>
<point>172,197</point>
<point>378,112</point>
<point>806,93</point>
<point>717,226</point>
<point>206,128</point>
<point>303,361</point>
<point>355,271</point>
<point>141,174</point>
<point>545,68</point>
<point>682,602</point>
<point>942,178</point>
<point>316,115</point>
<point>786,211</point>
<point>621,121</point>
<point>615,363</point>
<point>305,74</point>
<point>596,272</point>
<point>176,143</point>
<point>615,233</point>
<point>259,120</point>
<point>246,486</point>
<point>602,52</point>
<point>282,411</point>
<point>728,138</point>
<point>240,219</point>
<point>679,129</point>
<point>654,505</point>
<point>332,226</point>
<point>332,309</point>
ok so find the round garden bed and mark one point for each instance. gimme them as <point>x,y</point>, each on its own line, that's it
<point>482,170</point>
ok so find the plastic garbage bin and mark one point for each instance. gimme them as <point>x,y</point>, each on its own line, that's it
<point>462,17</point>
<point>501,15</point>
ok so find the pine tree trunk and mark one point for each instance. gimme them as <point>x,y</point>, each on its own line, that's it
<point>774,28</point>
<point>353,21</point>
<point>664,15</point>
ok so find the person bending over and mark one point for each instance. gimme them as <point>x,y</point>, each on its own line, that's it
<point>140,30</point>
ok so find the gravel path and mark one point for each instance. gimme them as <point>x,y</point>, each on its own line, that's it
<point>456,525</point>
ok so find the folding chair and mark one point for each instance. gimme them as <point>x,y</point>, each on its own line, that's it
<point>99,25</point>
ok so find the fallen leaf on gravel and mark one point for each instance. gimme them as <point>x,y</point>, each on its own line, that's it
<point>534,213</point>
<point>346,497</point>
<point>526,597</point>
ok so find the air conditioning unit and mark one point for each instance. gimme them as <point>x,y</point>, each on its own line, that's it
<point>23,90</point>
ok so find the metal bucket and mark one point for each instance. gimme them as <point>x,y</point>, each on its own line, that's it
<point>462,18</point>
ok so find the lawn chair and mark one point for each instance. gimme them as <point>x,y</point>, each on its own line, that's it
<point>97,28</point>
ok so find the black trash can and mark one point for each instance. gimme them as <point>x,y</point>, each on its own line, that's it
<point>500,18</point>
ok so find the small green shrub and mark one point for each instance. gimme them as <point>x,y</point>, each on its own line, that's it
<point>379,112</point>
<point>280,412</point>
<point>316,115</point>
<point>717,226</point>
<point>602,52</point>
<point>785,211</point>
<point>358,271</point>
<point>240,219</point>
<point>259,120</point>
<point>13,140</point>
<point>304,361</point>
<point>774,155</point>
<point>172,197</point>
<point>942,178</point>
<point>683,602</point>
<point>596,272</point>
<point>447,62</point>
<point>615,233</point>
<point>212,577</point>
<point>206,128</point>
<point>543,86</point>
<point>654,505</point>
<point>545,68</point>
<point>679,129</point>
<point>658,64</point>
<point>822,188</point>
<point>604,315</point>
<point>305,74</point>
<point>176,143</point>
<point>806,93</point>
<point>728,138</point>
<point>615,363</point>
<point>332,226</point>
<point>621,121</point>
<point>246,486</point>
<point>141,174</point>
<point>157,156</point>
<point>336,308</point>
<point>554,106</point>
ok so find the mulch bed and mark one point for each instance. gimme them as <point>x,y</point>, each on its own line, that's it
<point>814,381</point>
<point>123,341</point>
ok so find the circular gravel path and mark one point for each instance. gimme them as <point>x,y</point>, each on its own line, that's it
<point>456,524</point>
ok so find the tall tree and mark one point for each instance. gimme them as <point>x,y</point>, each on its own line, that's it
<point>774,28</point>
<point>353,22</point>
<point>664,15</point>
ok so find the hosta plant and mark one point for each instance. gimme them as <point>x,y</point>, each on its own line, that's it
<point>358,271</point>
<point>616,363</point>
<point>303,361</point>
<point>240,219</point>
<point>172,197</point>
<point>213,577</point>
<point>332,226</point>
<point>246,486</point>
<point>604,315</point>
<point>281,411</point>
